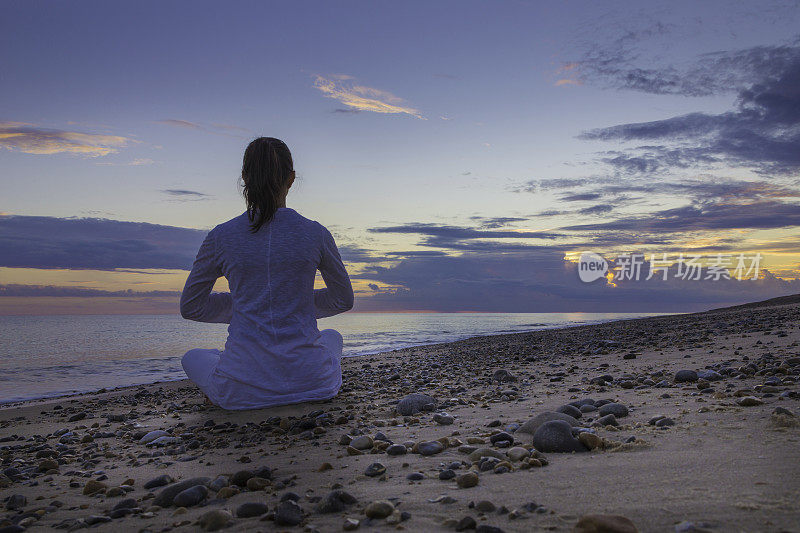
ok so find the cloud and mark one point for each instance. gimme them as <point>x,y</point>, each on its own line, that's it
<point>496,222</point>
<point>213,128</point>
<point>705,217</point>
<point>139,161</point>
<point>762,131</point>
<point>93,243</point>
<point>544,281</point>
<point>31,139</point>
<point>361,98</point>
<point>461,232</point>
<point>185,194</point>
<point>79,292</point>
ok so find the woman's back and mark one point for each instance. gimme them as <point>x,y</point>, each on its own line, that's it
<point>274,353</point>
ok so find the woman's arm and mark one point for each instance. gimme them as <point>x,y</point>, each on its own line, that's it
<point>337,296</point>
<point>197,301</point>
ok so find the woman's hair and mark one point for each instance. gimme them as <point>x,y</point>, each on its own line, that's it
<point>266,168</point>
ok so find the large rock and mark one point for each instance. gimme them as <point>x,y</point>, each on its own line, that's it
<point>686,376</point>
<point>415,403</point>
<point>556,436</point>
<point>530,427</point>
<point>166,496</point>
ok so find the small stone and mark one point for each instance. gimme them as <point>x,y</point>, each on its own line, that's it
<point>530,427</point>
<point>94,487</point>
<point>430,447</point>
<point>251,509</point>
<point>153,435</point>
<point>590,440</point>
<point>191,496</point>
<point>468,480</point>
<point>288,513</point>
<point>350,524</point>
<point>556,436</point>
<point>127,503</point>
<point>682,376</point>
<point>570,410</point>
<point>466,523</point>
<point>215,520</point>
<point>501,437</point>
<point>517,453</point>
<point>664,422</point>
<point>415,476</point>
<point>503,376</point>
<point>415,403</point>
<point>396,449</point>
<point>256,483</point>
<point>600,523</point>
<point>77,416</point>
<point>167,495</point>
<point>362,442</point>
<point>616,409</point>
<point>16,501</point>
<point>379,509</point>
<point>240,478</point>
<point>227,492</point>
<point>608,420</point>
<point>447,474</point>
<point>485,506</point>
<point>749,401</point>
<point>47,464</point>
<point>336,501</point>
<point>443,419</point>
<point>375,470</point>
<point>159,481</point>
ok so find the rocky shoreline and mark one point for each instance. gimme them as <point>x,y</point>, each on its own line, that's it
<point>676,423</point>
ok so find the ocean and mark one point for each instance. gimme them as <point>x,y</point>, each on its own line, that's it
<point>47,356</point>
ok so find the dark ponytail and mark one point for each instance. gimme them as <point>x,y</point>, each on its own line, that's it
<point>266,169</point>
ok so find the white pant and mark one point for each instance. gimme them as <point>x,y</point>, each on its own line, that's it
<point>200,363</point>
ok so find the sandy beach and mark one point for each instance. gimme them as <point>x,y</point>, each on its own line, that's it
<point>676,423</point>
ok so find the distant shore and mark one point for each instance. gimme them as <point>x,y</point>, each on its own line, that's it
<point>703,434</point>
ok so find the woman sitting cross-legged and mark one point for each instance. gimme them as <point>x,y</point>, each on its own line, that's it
<point>269,254</point>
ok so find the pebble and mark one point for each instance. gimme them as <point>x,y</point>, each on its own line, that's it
<point>251,509</point>
<point>191,496</point>
<point>443,419</point>
<point>686,376</point>
<point>534,423</point>
<point>517,453</point>
<point>336,501</point>
<point>288,513</point>
<point>570,410</point>
<point>466,523</point>
<point>608,420</point>
<point>749,401</point>
<point>616,409</point>
<point>375,470</point>
<point>590,440</point>
<point>379,509</point>
<point>16,501</point>
<point>485,506</point>
<point>556,436</point>
<point>396,449</point>
<point>444,475</point>
<point>256,483</point>
<point>351,524</point>
<point>415,476</point>
<point>468,480</point>
<point>503,376</point>
<point>93,487</point>
<point>362,442</point>
<point>159,481</point>
<point>415,403</point>
<point>215,520</point>
<point>431,447</point>
<point>598,523</point>
<point>167,495</point>
<point>153,435</point>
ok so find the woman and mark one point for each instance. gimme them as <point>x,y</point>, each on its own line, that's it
<point>269,254</point>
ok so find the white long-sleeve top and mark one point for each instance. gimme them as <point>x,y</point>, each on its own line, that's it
<point>272,355</point>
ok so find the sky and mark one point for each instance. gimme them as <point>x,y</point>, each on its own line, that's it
<point>463,154</point>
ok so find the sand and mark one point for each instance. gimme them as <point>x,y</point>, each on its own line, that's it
<point>722,466</point>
